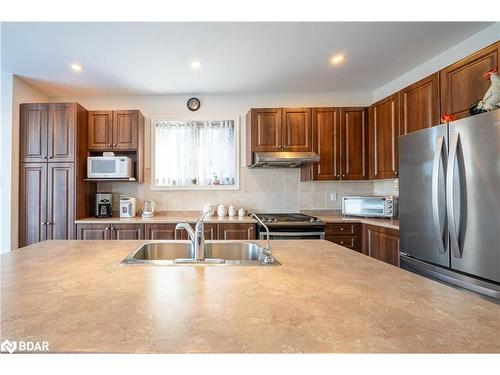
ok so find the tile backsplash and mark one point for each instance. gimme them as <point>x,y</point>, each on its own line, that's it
<point>262,190</point>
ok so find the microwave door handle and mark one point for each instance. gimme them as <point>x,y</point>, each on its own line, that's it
<point>438,231</point>
<point>452,226</point>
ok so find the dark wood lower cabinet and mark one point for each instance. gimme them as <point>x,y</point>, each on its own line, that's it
<point>160,231</point>
<point>93,232</point>
<point>127,232</point>
<point>32,203</point>
<point>344,234</point>
<point>237,231</point>
<point>381,243</point>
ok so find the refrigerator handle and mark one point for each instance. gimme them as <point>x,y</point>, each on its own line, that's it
<point>438,231</point>
<point>452,226</point>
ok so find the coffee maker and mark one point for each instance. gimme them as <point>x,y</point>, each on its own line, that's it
<point>103,205</point>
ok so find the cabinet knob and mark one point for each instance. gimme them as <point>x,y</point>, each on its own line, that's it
<point>341,229</point>
<point>114,144</point>
<point>112,228</point>
<point>109,144</point>
<point>285,146</point>
<point>396,172</point>
<point>341,242</point>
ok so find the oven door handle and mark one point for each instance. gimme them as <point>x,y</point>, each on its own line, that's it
<point>295,234</point>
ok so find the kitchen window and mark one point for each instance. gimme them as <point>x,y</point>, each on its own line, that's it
<point>194,155</point>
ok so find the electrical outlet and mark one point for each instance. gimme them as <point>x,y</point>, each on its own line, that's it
<point>333,197</point>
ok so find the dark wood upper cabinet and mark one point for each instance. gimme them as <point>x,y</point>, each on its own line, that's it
<point>354,143</point>
<point>326,143</point>
<point>34,119</point>
<point>60,201</point>
<point>125,130</point>
<point>420,105</point>
<point>462,84</point>
<point>61,132</point>
<point>114,130</point>
<point>383,138</point>
<point>100,130</point>
<point>296,129</point>
<point>32,203</point>
<point>265,129</point>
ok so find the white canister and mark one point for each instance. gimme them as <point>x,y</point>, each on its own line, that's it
<point>221,210</point>
<point>208,207</point>
<point>242,212</point>
<point>231,211</point>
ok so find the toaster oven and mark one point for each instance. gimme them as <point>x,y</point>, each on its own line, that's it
<point>109,167</point>
<point>374,206</point>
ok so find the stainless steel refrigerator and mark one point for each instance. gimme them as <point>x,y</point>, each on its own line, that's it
<point>450,202</point>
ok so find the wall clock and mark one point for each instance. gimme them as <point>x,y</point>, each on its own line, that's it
<point>193,104</point>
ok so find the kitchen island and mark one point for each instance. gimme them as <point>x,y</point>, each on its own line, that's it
<point>323,298</point>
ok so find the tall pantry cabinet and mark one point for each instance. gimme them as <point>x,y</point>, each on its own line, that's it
<point>53,156</point>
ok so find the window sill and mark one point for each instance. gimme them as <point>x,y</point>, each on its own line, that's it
<point>195,188</point>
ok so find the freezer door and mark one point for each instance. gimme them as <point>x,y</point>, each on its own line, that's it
<point>473,195</point>
<point>422,204</point>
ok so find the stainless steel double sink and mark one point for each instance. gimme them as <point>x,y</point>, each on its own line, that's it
<point>169,253</point>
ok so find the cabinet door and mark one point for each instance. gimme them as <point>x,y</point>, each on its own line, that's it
<point>462,83</point>
<point>33,123</point>
<point>237,231</point>
<point>127,232</point>
<point>296,128</point>
<point>60,201</point>
<point>93,231</point>
<point>125,130</point>
<point>265,129</point>
<point>61,132</point>
<point>383,138</point>
<point>354,143</point>
<point>100,130</point>
<point>420,105</point>
<point>381,243</point>
<point>161,232</point>
<point>32,203</point>
<point>326,143</point>
<point>351,242</point>
<point>210,232</point>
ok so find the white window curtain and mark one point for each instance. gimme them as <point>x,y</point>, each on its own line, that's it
<point>194,153</point>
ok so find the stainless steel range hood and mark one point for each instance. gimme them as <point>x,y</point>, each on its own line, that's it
<point>284,159</point>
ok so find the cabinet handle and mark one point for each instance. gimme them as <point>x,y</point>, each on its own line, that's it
<point>109,144</point>
<point>112,228</point>
<point>341,229</point>
<point>341,242</point>
<point>396,173</point>
<point>44,223</point>
<point>114,144</point>
<point>285,146</point>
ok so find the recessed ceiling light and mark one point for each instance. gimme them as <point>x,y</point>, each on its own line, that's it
<point>337,59</point>
<point>77,68</point>
<point>195,64</point>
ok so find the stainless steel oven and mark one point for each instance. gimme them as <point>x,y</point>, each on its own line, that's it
<point>375,206</point>
<point>291,227</point>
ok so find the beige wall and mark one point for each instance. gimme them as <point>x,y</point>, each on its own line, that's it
<point>262,190</point>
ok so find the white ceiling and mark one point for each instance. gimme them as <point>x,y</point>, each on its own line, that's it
<point>154,58</point>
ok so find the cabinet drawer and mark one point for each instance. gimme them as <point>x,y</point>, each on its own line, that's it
<point>343,229</point>
<point>351,242</point>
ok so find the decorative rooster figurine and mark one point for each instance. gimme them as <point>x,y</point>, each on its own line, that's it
<point>491,99</point>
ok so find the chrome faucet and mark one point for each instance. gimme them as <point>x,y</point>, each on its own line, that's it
<point>266,255</point>
<point>196,236</point>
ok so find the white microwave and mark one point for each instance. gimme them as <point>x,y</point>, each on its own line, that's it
<point>384,207</point>
<point>109,167</point>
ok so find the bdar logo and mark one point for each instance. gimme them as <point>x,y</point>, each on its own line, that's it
<point>8,346</point>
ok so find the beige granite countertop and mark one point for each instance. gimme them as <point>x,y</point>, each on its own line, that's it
<point>334,216</point>
<point>323,298</point>
<point>166,217</point>
<point>172,217</point>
